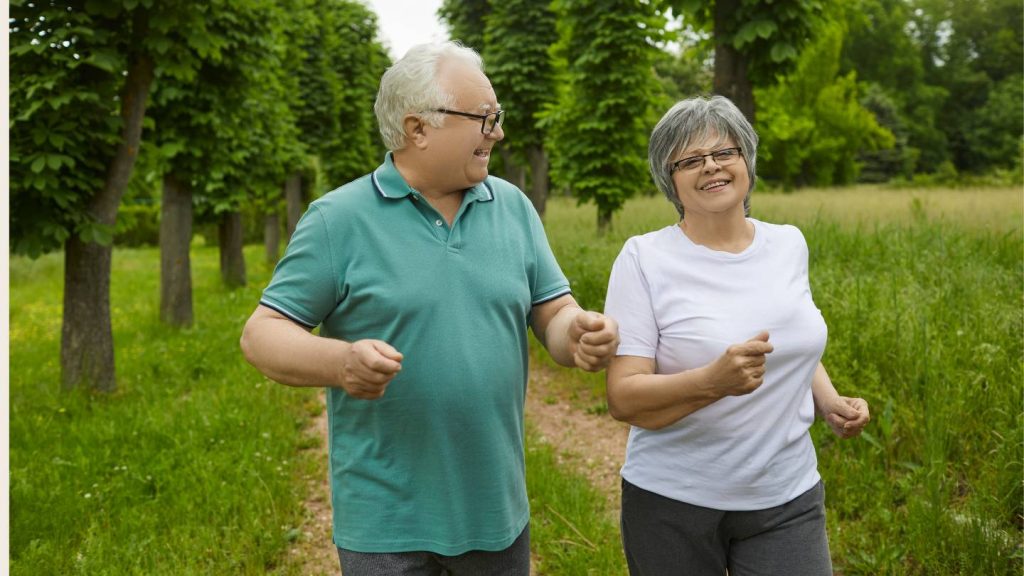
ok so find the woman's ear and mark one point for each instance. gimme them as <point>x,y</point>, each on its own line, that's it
<point>415,130</point>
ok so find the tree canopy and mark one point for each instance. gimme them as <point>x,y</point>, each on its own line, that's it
<point>599,133</point>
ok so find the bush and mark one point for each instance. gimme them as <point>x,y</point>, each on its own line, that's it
<point>138,224</point>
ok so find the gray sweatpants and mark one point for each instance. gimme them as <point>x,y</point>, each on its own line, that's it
<point>665,537</point>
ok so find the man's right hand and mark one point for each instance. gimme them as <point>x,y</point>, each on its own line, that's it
<point>368,367</point>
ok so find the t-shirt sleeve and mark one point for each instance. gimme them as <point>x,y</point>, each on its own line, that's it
<point>628,301</point>
<point>305,284</point>
<point>548,281</point>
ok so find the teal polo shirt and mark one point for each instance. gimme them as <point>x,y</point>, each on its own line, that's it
<point>436,464</point>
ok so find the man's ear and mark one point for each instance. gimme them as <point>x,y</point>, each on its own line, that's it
<point>415,130</point>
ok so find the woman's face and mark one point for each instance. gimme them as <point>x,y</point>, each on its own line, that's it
<point>711,188</point>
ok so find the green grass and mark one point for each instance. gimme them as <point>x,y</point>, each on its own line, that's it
<point>571,531</point>
<point>192,467</point>
<point>922,292</point>
<point>195,465</point>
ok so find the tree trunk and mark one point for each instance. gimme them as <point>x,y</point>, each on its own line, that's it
<point>175,265</point>
<point>232,260</point>
<point>514,173</point>
<point>87,342</point>
<point>604,220</point>
<point>293,198</point>
<point>538,178</point>
<point>272,236</point>
<point>731,78</point>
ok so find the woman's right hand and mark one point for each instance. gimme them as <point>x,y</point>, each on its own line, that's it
<point>740,370</point>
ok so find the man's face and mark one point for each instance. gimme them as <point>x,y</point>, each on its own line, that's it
<point>459,149</point>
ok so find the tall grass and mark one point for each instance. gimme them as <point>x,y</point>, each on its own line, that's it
<point>922,294</point>
<point>191,467</point>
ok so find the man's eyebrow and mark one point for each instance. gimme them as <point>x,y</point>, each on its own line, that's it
<point>487,107</point>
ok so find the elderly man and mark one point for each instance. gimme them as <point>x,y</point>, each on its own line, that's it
<point>423,277</point>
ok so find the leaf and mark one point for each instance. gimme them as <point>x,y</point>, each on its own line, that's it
<point>753,30</point>
<point>31,110</point>
<point>782,52</point>
<point>105,60</point>
<point>39,164</point>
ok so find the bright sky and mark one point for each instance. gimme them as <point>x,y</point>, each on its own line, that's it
<point>405,23</point>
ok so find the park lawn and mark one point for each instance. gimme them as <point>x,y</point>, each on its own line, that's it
<point>193,466</point>
<point>196,465</point>
<point>922,293</point>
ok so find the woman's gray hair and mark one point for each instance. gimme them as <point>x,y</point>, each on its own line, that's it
<point>411,85</point>
<point>694,120</point>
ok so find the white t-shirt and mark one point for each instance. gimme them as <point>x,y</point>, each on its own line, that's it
<point>683,304</point>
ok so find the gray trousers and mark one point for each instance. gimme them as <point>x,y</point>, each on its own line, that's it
<point>512,561</point>
<point>665,537</point>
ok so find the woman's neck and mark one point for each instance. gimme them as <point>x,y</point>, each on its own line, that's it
<point>725,233</point>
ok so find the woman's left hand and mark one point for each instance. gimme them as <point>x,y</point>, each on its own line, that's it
<point>847,417</point>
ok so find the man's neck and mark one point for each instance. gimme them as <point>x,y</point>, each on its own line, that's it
<point>443,199</point>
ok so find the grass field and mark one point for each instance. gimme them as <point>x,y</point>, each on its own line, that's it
<point>922,292</point>
<point>195,465</point>
<point>192,467</point>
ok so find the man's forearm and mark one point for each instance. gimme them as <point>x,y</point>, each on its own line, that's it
<point>557,339</point>
<point>289,354</point>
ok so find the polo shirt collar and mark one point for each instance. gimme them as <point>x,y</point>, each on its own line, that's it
<point>388,182</point>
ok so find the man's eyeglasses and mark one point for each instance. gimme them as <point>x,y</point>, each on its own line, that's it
<point>488,121</point>
<point>722,157</point>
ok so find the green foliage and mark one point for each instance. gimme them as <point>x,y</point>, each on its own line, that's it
<point>337,80</point>
<point>64,122</point>
<point>518,36</point>
<point>138,225</point>
<point>880,49</point>
<point>975,52</point>
<point>812,124</point>
<point>599,128</point>
<point>885,164</point>
<point>229,129</point>
<point>67,62</point>
<point>465,20</point>
<point>684,75</point>
<point>769,33</point>
<point>195,466</point>
<point>990,138</point>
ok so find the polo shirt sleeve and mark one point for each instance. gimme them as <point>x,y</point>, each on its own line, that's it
<point>628,301</point>
<point>548,281</point>
<point>304,285</point>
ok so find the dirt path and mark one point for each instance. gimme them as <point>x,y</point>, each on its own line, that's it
<point>312,553</point>
<point>592,445</point>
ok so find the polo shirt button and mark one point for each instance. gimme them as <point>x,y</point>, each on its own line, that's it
<point>438,222</point>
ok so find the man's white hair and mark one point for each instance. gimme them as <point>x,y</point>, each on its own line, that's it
<point>411,85</point>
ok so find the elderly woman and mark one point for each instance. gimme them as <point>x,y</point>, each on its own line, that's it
<point>718,370</point>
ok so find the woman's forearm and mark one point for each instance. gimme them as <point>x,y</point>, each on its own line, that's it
<point>654,401</point>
